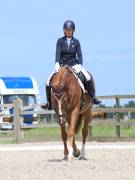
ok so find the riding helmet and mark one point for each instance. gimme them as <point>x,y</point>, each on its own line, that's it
<point>69,25</point>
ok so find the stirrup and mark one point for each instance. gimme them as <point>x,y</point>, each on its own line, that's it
<point>46,106</point>
<point>49,106</point>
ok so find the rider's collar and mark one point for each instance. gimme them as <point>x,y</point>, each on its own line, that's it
<point>65,39</point>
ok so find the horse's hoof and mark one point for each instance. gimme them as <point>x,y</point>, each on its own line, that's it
<point>70,158</point>
<point>65,158</point>
<point>82,158</point>
<point>76,154</point>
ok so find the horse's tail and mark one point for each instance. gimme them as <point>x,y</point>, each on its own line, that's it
<point>79,123</point>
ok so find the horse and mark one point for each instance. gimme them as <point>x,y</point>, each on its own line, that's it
<point>100,115</point>
<point>72,107</point>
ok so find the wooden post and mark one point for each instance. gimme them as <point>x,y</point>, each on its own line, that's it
<point>17,120</point>
<point>129,115</point>
<point>90,126</point>
<point>117,117</point>
<point>90,130</point>
<point>52,116</point>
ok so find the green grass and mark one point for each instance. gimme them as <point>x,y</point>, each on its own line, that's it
<point>54,134</point>
<point>128,132</point>
<point>43,134</point>
<point>103,131</point>
<point>6,137</point>
<point>7,141</point>
<point>110,131</point>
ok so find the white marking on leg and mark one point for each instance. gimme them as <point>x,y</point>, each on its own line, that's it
<point>70,153</point>
<point>60,110</point>
<point>82,151</point>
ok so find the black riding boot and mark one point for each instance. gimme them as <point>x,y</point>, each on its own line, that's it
<point>91,91</point>
<point>48,97</point>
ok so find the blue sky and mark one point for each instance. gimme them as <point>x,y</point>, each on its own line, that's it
<point>29,30</point>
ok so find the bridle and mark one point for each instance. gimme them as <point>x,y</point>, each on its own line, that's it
<point>61,95</point>
<point>60,114</point>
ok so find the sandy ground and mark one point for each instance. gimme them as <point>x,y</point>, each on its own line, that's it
<point>101,164</point>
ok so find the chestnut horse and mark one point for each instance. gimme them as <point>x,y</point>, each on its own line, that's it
<point>100,115</point>
<point>72,106</point>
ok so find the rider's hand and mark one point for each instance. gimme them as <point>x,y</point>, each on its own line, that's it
<point>57,66</point>
<point>77,68</point>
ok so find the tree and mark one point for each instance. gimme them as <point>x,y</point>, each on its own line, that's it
<point>130,104</point>
<point>102,105</point>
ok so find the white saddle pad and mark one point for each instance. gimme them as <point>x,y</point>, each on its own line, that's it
<point>80,83</point>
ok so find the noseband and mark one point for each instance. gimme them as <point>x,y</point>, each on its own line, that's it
<point>60,95</point>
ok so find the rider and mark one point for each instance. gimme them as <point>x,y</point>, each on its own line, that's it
<point>68,52</point>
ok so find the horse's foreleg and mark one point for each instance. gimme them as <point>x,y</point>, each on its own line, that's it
<point>64,138</point>
<point>87,116</point>
<point>72,146</point>
<point>76,152</point>
<point>71,135</point>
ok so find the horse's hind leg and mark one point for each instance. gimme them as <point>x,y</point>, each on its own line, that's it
<point>87,116</point>
<point>64,138</point>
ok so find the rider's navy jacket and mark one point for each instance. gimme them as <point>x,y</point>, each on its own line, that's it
<point>69,55</point>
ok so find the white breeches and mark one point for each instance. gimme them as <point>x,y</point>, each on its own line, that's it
<point>85,73</point>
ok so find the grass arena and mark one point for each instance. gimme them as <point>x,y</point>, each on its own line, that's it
<point>44,161</point>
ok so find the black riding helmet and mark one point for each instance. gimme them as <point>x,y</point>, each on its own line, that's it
<point>69,25</point>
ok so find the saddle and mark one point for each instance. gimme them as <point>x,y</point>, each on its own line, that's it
<point>82,78</point>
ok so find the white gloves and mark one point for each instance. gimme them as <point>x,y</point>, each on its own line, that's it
<point>57,66</point>
<point>77,68</point>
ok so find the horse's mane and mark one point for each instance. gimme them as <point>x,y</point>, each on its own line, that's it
<point>59,82</point>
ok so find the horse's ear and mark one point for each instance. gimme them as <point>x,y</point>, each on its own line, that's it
<point>54,87</point>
